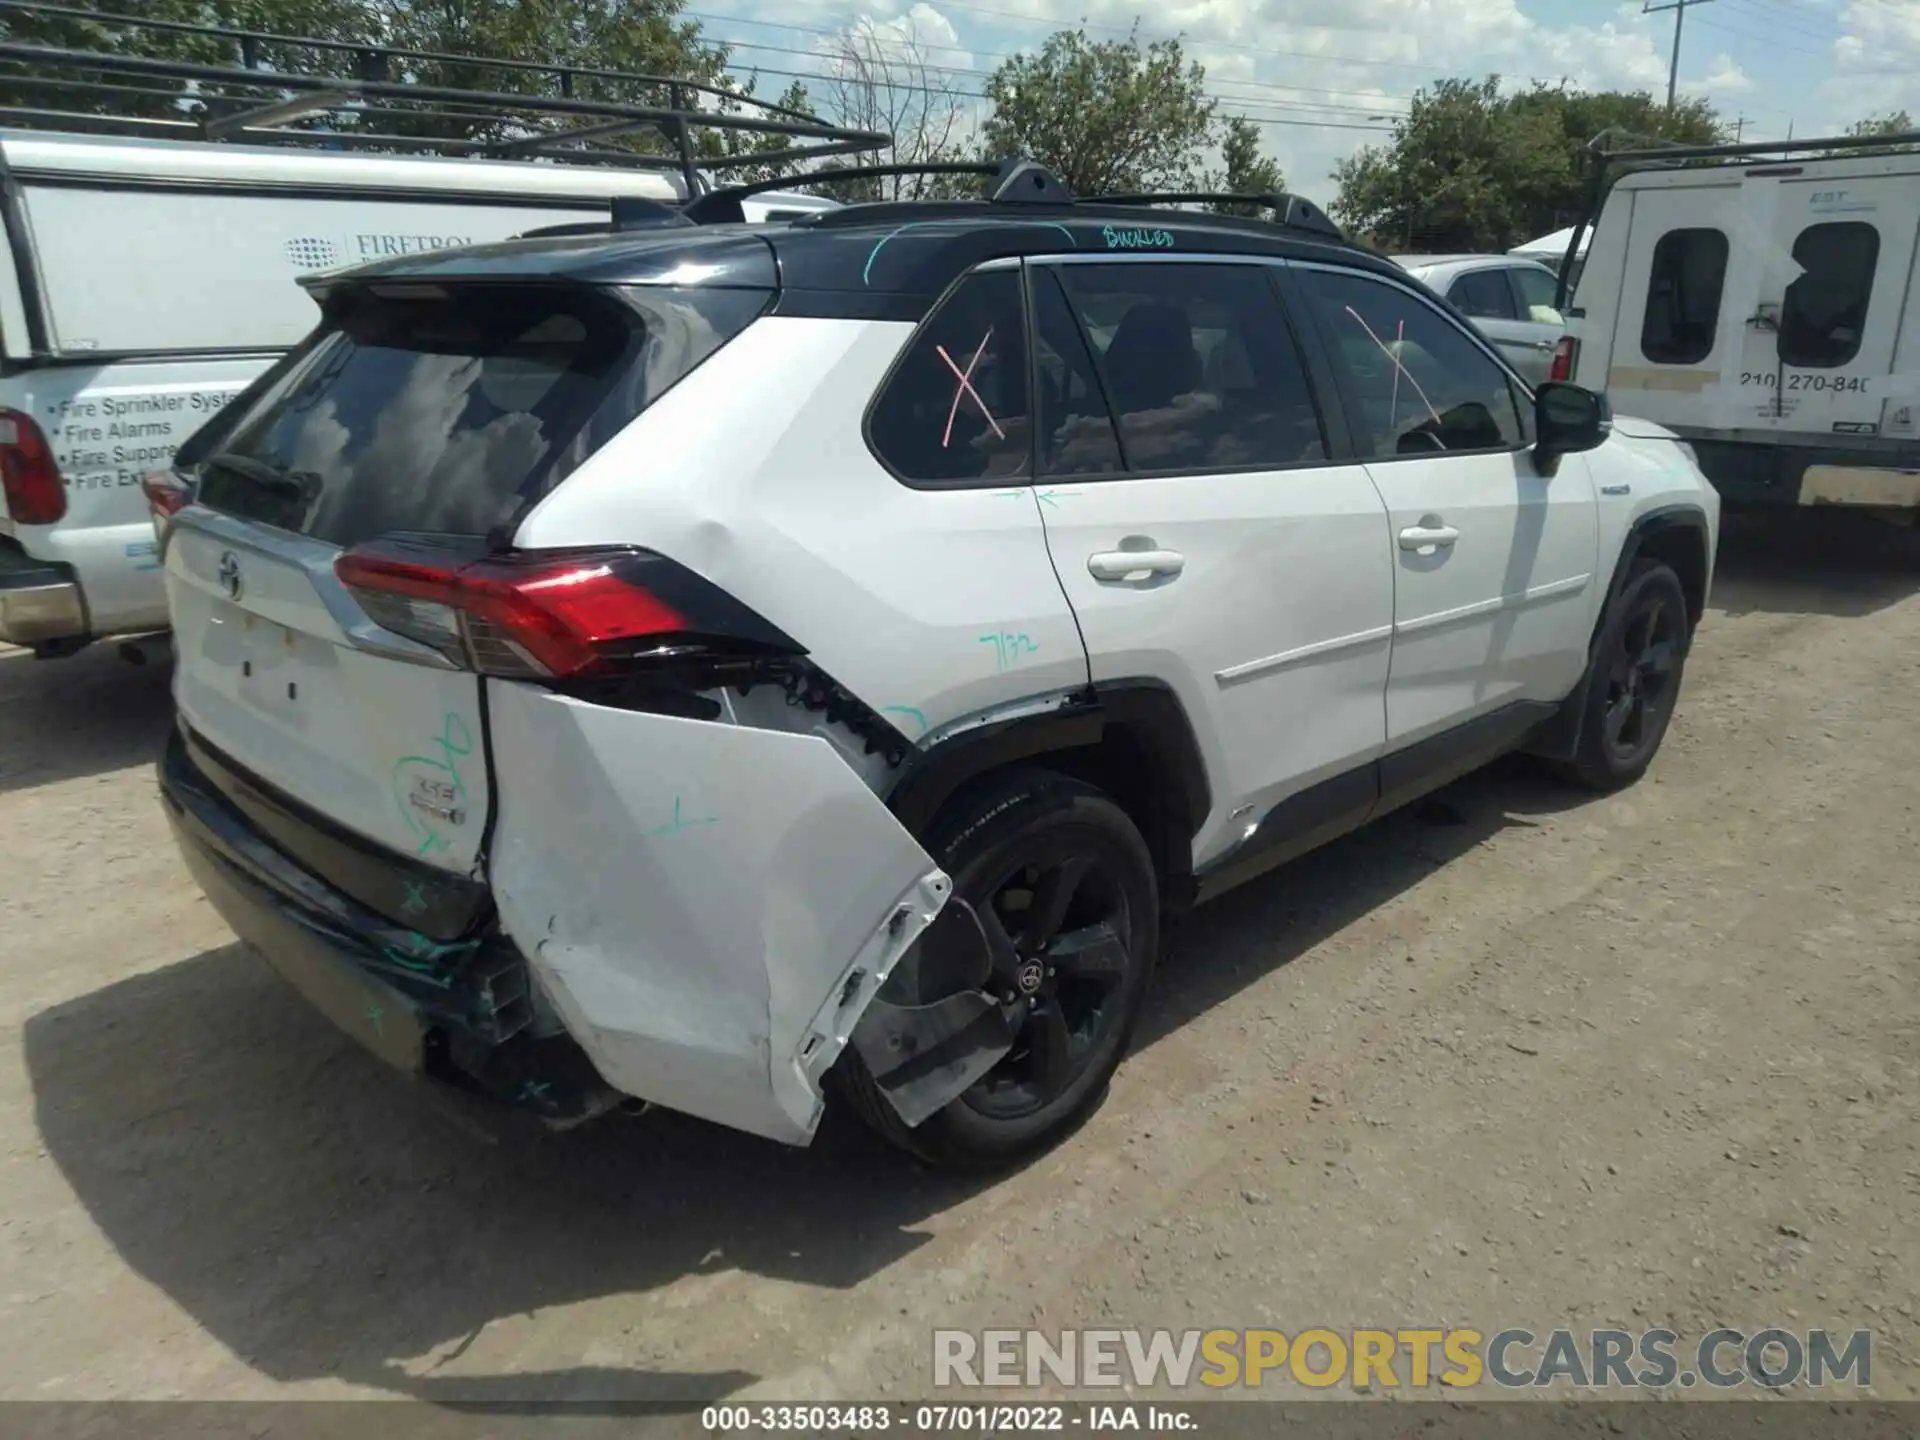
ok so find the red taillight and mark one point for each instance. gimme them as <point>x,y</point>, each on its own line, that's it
<point>1563,354</point>
<point>28,474</point>
<point>166,496</point>
<point>550,614</point>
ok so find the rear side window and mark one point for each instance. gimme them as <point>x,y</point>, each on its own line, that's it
<point>450,409</point>
<point>1825,312</point>
<point>1198,366</point>
<point>1683,297</point>
<point>1484,294</point>
<point>955,408</point>
<point>1419,384</point>
<point>1537,289</point>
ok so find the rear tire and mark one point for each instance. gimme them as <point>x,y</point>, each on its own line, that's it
<point>1013,846</point>
<point>1633,680</point>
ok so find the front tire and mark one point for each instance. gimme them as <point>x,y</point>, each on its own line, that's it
<point>1066,877</point>
<point>1633,679</point>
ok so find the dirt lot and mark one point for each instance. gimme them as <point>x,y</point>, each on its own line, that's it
<point>1517,1057</point>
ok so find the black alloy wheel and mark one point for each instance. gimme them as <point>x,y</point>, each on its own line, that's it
<point>1640,681</point>
<point>1054,921</point>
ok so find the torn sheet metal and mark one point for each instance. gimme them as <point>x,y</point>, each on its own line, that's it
<point>710,907</point>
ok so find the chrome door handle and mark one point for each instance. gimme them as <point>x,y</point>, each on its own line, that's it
<point>1119,564</point>
<point>1540,344</point>
<point>1425,539</point>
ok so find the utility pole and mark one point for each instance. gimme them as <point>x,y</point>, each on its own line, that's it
<point>1679,9</point>
<point>1739,129</point>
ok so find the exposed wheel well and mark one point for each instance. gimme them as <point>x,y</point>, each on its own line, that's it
<point>1127,766</point>
<point>1684,549</point>
<point>1129,739</point>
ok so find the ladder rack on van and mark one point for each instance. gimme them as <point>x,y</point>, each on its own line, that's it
<point>1650,151</point>
<point>353,91</point>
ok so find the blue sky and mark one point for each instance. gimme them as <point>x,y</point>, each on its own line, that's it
<point>1324,79</point>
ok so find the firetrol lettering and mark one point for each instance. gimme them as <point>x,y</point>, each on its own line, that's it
<point>375,245</point>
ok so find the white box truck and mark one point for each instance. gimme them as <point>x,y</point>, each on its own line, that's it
<point>1759,301</point>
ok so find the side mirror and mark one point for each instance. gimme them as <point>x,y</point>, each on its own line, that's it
<point>1568,419</point>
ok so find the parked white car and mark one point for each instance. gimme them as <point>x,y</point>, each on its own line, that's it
<point>713,664</point>
<point>145,283</point>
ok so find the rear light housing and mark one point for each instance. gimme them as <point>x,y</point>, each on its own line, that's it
<point>167,495</point>
<point>28,475</point>
<point>586,614</point>
<point>1563,357</point>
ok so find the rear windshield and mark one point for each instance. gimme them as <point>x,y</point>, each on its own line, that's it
<point>452,409</point>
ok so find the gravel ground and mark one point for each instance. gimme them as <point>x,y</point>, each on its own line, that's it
<point>1516,1057</point>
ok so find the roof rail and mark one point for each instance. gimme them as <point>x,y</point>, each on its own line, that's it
<point>1013,181</point>
<point>361,108</point>
<point>1289,210</point>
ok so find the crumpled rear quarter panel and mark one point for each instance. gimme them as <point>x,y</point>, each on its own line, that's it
<point>695,896</point>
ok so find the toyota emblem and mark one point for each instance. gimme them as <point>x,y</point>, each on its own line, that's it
<point>1029,976</point>
<point>230,574</point>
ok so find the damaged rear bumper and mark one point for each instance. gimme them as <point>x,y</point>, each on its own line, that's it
<point>460,1010</point>
<point>711,908</point>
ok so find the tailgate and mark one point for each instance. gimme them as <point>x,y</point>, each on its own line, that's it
<point>269,673</point>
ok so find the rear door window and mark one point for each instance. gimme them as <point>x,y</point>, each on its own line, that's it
<point>1484,294</point>
<point>1198,365</point>
<point>1683,296</point>
<point>1825,312</point>
<point>1536,289</point>
<point>450,409</point>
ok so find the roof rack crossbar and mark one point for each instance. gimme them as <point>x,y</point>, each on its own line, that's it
<point>280,112</point>
<point>1289,210</point>
<point>1753,148</point>
<point>363,50</point>
<point>259,104</point>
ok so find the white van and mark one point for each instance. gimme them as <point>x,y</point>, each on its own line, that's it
<point>1759,301</point>
<point>144,282</point>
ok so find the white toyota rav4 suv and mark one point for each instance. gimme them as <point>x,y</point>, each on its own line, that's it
<point>724,666</point>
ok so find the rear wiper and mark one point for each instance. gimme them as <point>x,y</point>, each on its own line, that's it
<point>266,476</point>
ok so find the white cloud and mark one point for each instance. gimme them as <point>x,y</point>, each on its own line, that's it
<point>1876,60</point>
<point>1723,77</point>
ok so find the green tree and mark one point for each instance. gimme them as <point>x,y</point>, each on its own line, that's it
<point>77,89</point>
<point>1247,172</point>
<point>1894,122</point>
<point>1471,169</point>
<point>1104,116</point>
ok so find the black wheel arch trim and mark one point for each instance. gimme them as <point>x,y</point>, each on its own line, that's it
<point>1074,720</point>
<point>1560,737</point>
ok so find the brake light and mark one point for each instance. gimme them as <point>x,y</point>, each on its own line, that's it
<point>1563,355</point>
<point>166,496</point>
<point>28,474</point>
<point>551,614</point>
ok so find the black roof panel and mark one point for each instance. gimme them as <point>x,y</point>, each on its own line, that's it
<point>871,261</point>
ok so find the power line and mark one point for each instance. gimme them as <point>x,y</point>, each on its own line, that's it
<point>1768,40</point>
<point>970,72</point>
<point>1313,55</point>
<point>1383,99</point>
<point>1768,17</point>
<point>959,93</point>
